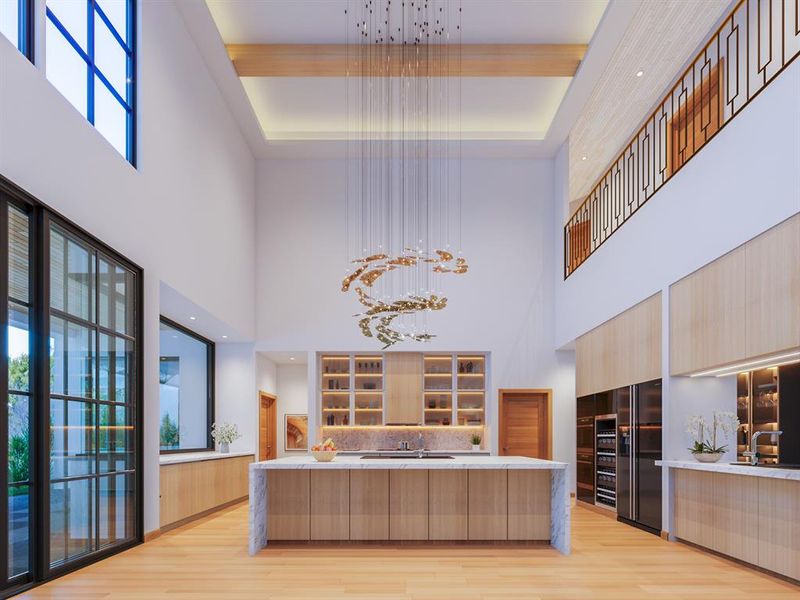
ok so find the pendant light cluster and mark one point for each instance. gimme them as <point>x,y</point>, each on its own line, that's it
<point>403,196</point>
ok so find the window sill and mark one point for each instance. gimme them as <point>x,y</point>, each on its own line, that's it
<point>187,457</point>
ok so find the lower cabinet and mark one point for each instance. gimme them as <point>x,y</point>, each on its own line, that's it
<point>408,504</point>
<point>752,519</point>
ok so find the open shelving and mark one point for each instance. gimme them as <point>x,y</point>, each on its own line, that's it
<point>470,389</point>
<point>606,461</point>
<point>437,393</point>
<point>368,386</point>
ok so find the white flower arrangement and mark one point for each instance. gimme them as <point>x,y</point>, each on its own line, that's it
<point>704,434</point>
<point>225,433</point>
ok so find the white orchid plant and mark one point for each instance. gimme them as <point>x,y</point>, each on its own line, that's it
<point>225,433</point>
<point>705,435</point>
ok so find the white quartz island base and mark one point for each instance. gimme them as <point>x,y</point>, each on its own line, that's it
<point>415,499</point>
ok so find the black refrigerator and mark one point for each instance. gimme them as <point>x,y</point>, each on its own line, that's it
<point>638,448</point>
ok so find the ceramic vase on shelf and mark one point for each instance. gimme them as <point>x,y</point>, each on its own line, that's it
<point>708,457</point>
<point>476,447</point>
<point>224,447</point>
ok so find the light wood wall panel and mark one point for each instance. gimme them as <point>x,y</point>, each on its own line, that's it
<point>488,504</point>
<point>528,505</point>
<point>707,314</point>
<point>288,505</point>
<point>447,505</point>
<point>189,489</point>
<point>330,504</point>
<point>408,504</point>
<point>772,292</point>
<point>622,351</point>
<point>735,516</point>
<point>743,305</point>
<point>403,394</point>
<point>369,504</point>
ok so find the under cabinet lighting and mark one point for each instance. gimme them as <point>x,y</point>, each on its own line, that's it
<point>763,363</point>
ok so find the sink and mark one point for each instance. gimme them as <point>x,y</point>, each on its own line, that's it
<point>778,466</point>
<point>403,456</point>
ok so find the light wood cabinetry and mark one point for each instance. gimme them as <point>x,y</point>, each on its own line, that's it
<point>743,305</point>
<point>288,497</point>
<point>408,505</point>
<point>621,351</point>
<point>404,385</point>
<point>330,491</point>
<point>772,293</point>
<point>447,505</point>
<point>752,519</point>
<point>528,505</point>
<point>369,505</point>
<point>192,489</point>
<point>488,505</point>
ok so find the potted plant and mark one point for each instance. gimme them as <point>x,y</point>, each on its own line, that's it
<point>476,442</point>
<point>707,437</point>
<point>224,434</point>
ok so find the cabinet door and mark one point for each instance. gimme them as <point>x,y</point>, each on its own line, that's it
<point>773,289</point>
<point>403,387</point>
<point>707,315</point>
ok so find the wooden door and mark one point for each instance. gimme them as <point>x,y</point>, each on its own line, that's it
<point>267,426</point>
<point>525,423</point>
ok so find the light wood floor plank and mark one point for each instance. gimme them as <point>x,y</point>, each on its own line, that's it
<point>207,560</point>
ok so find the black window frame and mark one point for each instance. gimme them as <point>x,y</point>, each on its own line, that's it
<point>210,379</point>
<point>41,217</point>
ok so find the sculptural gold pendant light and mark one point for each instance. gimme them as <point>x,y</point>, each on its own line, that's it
<point>403,167</point>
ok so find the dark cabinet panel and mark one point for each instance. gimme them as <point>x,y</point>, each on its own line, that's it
<point>789,413</point>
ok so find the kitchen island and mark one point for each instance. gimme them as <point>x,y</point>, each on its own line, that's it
<point>457,499</point>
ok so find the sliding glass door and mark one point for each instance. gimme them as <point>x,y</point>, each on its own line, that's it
<point>71,474</point>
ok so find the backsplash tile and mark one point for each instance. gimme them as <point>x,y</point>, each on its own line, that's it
<point>389,438</point>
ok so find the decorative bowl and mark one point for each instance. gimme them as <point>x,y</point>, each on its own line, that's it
<point>324,455</point>
<point>708,457</point>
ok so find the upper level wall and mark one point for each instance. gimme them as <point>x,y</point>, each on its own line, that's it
<point>740,184</point>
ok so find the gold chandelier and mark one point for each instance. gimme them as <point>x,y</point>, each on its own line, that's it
<point>403,191</point>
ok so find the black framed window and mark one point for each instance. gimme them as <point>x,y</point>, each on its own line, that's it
<point>90,58</point>
<point>17,25</point>
<point>186,389</point>
<point>71,371</point>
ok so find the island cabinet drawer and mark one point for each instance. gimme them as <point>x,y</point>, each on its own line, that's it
<point>488,504</point>
<point>447,505</point>
<point>330,505</point>
<point>408,504</point>
<point>288,496</point>
<point>369,504</point>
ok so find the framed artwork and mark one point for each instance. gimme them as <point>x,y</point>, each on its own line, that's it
<point>295,432</point>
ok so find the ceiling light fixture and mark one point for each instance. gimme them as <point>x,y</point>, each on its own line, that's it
<point>583,158</point>
<point>224,337</point>
<point>193,318</point>
<point>291,358</point>
<point>762,363</point>
<point>639,73</point>
<point>403,181</point>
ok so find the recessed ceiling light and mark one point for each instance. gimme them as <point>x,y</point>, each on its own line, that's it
<point>583,158</point>
<point>291,358</point>
<point>639,73</point>
<point>224,337</point>
<point>193,318</point>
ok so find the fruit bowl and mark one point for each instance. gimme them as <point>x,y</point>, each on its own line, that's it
<point>324,455</point>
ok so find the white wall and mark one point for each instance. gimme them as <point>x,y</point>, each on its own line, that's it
<point>236,395</point>
<point>266,375</point>
<point>185,214</point>
<point>504,305</point>
<point>292,400</point>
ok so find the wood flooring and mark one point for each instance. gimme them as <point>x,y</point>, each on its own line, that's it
<point>207,560</point>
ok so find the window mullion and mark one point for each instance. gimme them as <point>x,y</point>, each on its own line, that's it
<point>90,65</point>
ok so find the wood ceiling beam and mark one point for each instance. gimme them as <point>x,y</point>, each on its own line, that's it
<point>474,60</point>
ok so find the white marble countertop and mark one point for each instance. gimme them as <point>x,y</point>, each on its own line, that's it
<point>737,469</point>
<point>448,452</point>
<point>187,457</point>
<point>457,462</point>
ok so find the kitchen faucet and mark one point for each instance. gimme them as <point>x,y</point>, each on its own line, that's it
<point>752,454</point>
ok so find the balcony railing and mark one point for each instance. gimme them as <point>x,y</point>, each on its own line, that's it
<point>754,45</point>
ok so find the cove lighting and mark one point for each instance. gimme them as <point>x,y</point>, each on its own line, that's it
<point>763,363</point>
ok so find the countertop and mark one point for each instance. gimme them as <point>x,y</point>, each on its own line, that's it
<point>722,467</point>
<point>187,457</point>
<point>449,452</point>
<point>458,462</point>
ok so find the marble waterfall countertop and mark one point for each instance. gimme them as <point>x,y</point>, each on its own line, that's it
<point>731,469</point>
<point>307,461</point>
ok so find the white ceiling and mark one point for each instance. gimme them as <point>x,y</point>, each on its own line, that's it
<point>495,109</point>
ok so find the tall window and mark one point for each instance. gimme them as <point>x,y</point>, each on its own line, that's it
<point>15,23</point>
<point>186,384</point>
<point>70,476</point>
<point>91,61</point>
